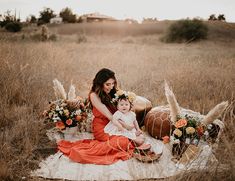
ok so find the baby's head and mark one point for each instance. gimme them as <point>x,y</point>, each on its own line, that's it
<point>124,105</point>
<point>124,100</point>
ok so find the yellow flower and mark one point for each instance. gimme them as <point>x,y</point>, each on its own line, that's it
<point>66,112</point>
<point>131,96</point>
<point>177,132</point>
<point>120,92</point>
<point>190,130</point>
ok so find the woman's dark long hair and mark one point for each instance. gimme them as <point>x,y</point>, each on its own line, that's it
<point>98,83</point>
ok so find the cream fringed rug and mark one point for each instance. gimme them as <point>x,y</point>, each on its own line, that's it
<point>58,166</point>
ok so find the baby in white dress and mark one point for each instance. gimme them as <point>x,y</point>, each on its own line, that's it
<point>124,121</point>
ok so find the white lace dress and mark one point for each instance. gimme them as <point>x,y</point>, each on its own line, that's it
<point>128,118</point>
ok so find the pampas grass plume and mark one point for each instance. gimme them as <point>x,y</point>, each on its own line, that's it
<point>174,106</point>
<point>71,93</point>
<point>59,90</point>
<point>214,113</point>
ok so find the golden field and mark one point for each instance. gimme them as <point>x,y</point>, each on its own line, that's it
<point>201,75</point>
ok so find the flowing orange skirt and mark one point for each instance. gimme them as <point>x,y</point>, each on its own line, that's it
<point>102,150</point>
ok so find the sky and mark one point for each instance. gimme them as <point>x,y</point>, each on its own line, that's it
<point>121,9</point>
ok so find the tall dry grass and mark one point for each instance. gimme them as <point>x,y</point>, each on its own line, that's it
<point>200,74</point>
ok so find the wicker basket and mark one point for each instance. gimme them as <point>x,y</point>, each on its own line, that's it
<point>147,158</point>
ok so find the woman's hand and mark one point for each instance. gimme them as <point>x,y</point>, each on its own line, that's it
<point>128,127</point>
<point>121,128</point>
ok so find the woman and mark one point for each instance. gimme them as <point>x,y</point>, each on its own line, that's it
<point>104,149</point>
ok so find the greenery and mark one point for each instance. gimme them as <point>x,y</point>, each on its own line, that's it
<point>45,16</point>
<point>220,17</point>
<point>32,19</point>
<point>67,15</point>
<point>186,31</point>
<point>13,26</point>
<point>10,23</point>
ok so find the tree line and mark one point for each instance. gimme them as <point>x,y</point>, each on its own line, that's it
<point>12,24</point>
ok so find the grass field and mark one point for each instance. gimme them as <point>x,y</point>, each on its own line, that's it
<point>201,75</point>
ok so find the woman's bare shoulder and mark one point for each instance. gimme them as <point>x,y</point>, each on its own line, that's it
<point>94,96</point>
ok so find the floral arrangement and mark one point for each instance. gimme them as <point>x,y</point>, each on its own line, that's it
<point>64,116</point>
<point>124,94</point>
<point>189,130</point>
<point>68,110</point>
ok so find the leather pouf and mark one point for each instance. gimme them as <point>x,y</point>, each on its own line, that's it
<point>141,106</point>
<point>157,123</point>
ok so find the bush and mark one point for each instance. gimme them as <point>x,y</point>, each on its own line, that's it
<point>53,37</point>
<point>186,31</point>
<point>13,26</point>
<point>81,39</point>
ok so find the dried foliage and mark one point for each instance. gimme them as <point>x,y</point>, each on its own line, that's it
<point>201,75</point>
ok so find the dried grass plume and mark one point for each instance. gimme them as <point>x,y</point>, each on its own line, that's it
<point>71,93</point>
<point>174,106</point>
<point>59,90</point>
<point>214,113</point>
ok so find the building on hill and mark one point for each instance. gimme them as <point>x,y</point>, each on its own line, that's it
<point>56,20</point>
<point>96,17</point>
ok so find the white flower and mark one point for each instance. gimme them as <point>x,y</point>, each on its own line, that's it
<point>187,140</point>
<point>55,119</point>
<point>209,126</point>
<point>206,133</point>
<point>172,138</point>
<point>78,112</point>
<point>176,141</point>
<point>57,108</point>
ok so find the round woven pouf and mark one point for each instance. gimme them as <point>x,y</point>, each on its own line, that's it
<point>157,123</point>
<point>141,107</point>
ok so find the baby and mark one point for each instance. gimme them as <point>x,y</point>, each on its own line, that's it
<point>124,120</point>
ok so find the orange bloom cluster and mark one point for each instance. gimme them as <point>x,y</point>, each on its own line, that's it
<point>181,123</point>
<point>200,130</point>
<point>166,139</point>
<point>60,125</point>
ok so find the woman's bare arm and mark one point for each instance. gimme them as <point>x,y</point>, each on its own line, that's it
<point>96,102</point>
<point>118,124</point>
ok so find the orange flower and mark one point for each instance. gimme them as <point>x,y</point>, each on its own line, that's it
<point>60,125</point>
<point>166,139</point>
<point>181,123</point>
<point>69,121</point>
<point>78,117</point>
<point>200,130</point>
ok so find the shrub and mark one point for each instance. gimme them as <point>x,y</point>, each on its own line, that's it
<point>13,26</point>
<point>53,37</point>
<point>67,15</point>
<point>186,31</point>
<point>81,39</point>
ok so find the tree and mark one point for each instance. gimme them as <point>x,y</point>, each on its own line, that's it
<point>186,31</point>
<point>13,26</point>
<point>67,15</point>
<point>7,18</point>
<point>32,19</point>
<point>46,15</point>
<point>212,17</point>
<point>221,17</point>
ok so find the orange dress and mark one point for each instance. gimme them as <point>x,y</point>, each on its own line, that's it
<point>102,150</point>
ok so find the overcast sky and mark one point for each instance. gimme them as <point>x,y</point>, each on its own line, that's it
<point>137,9</point>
